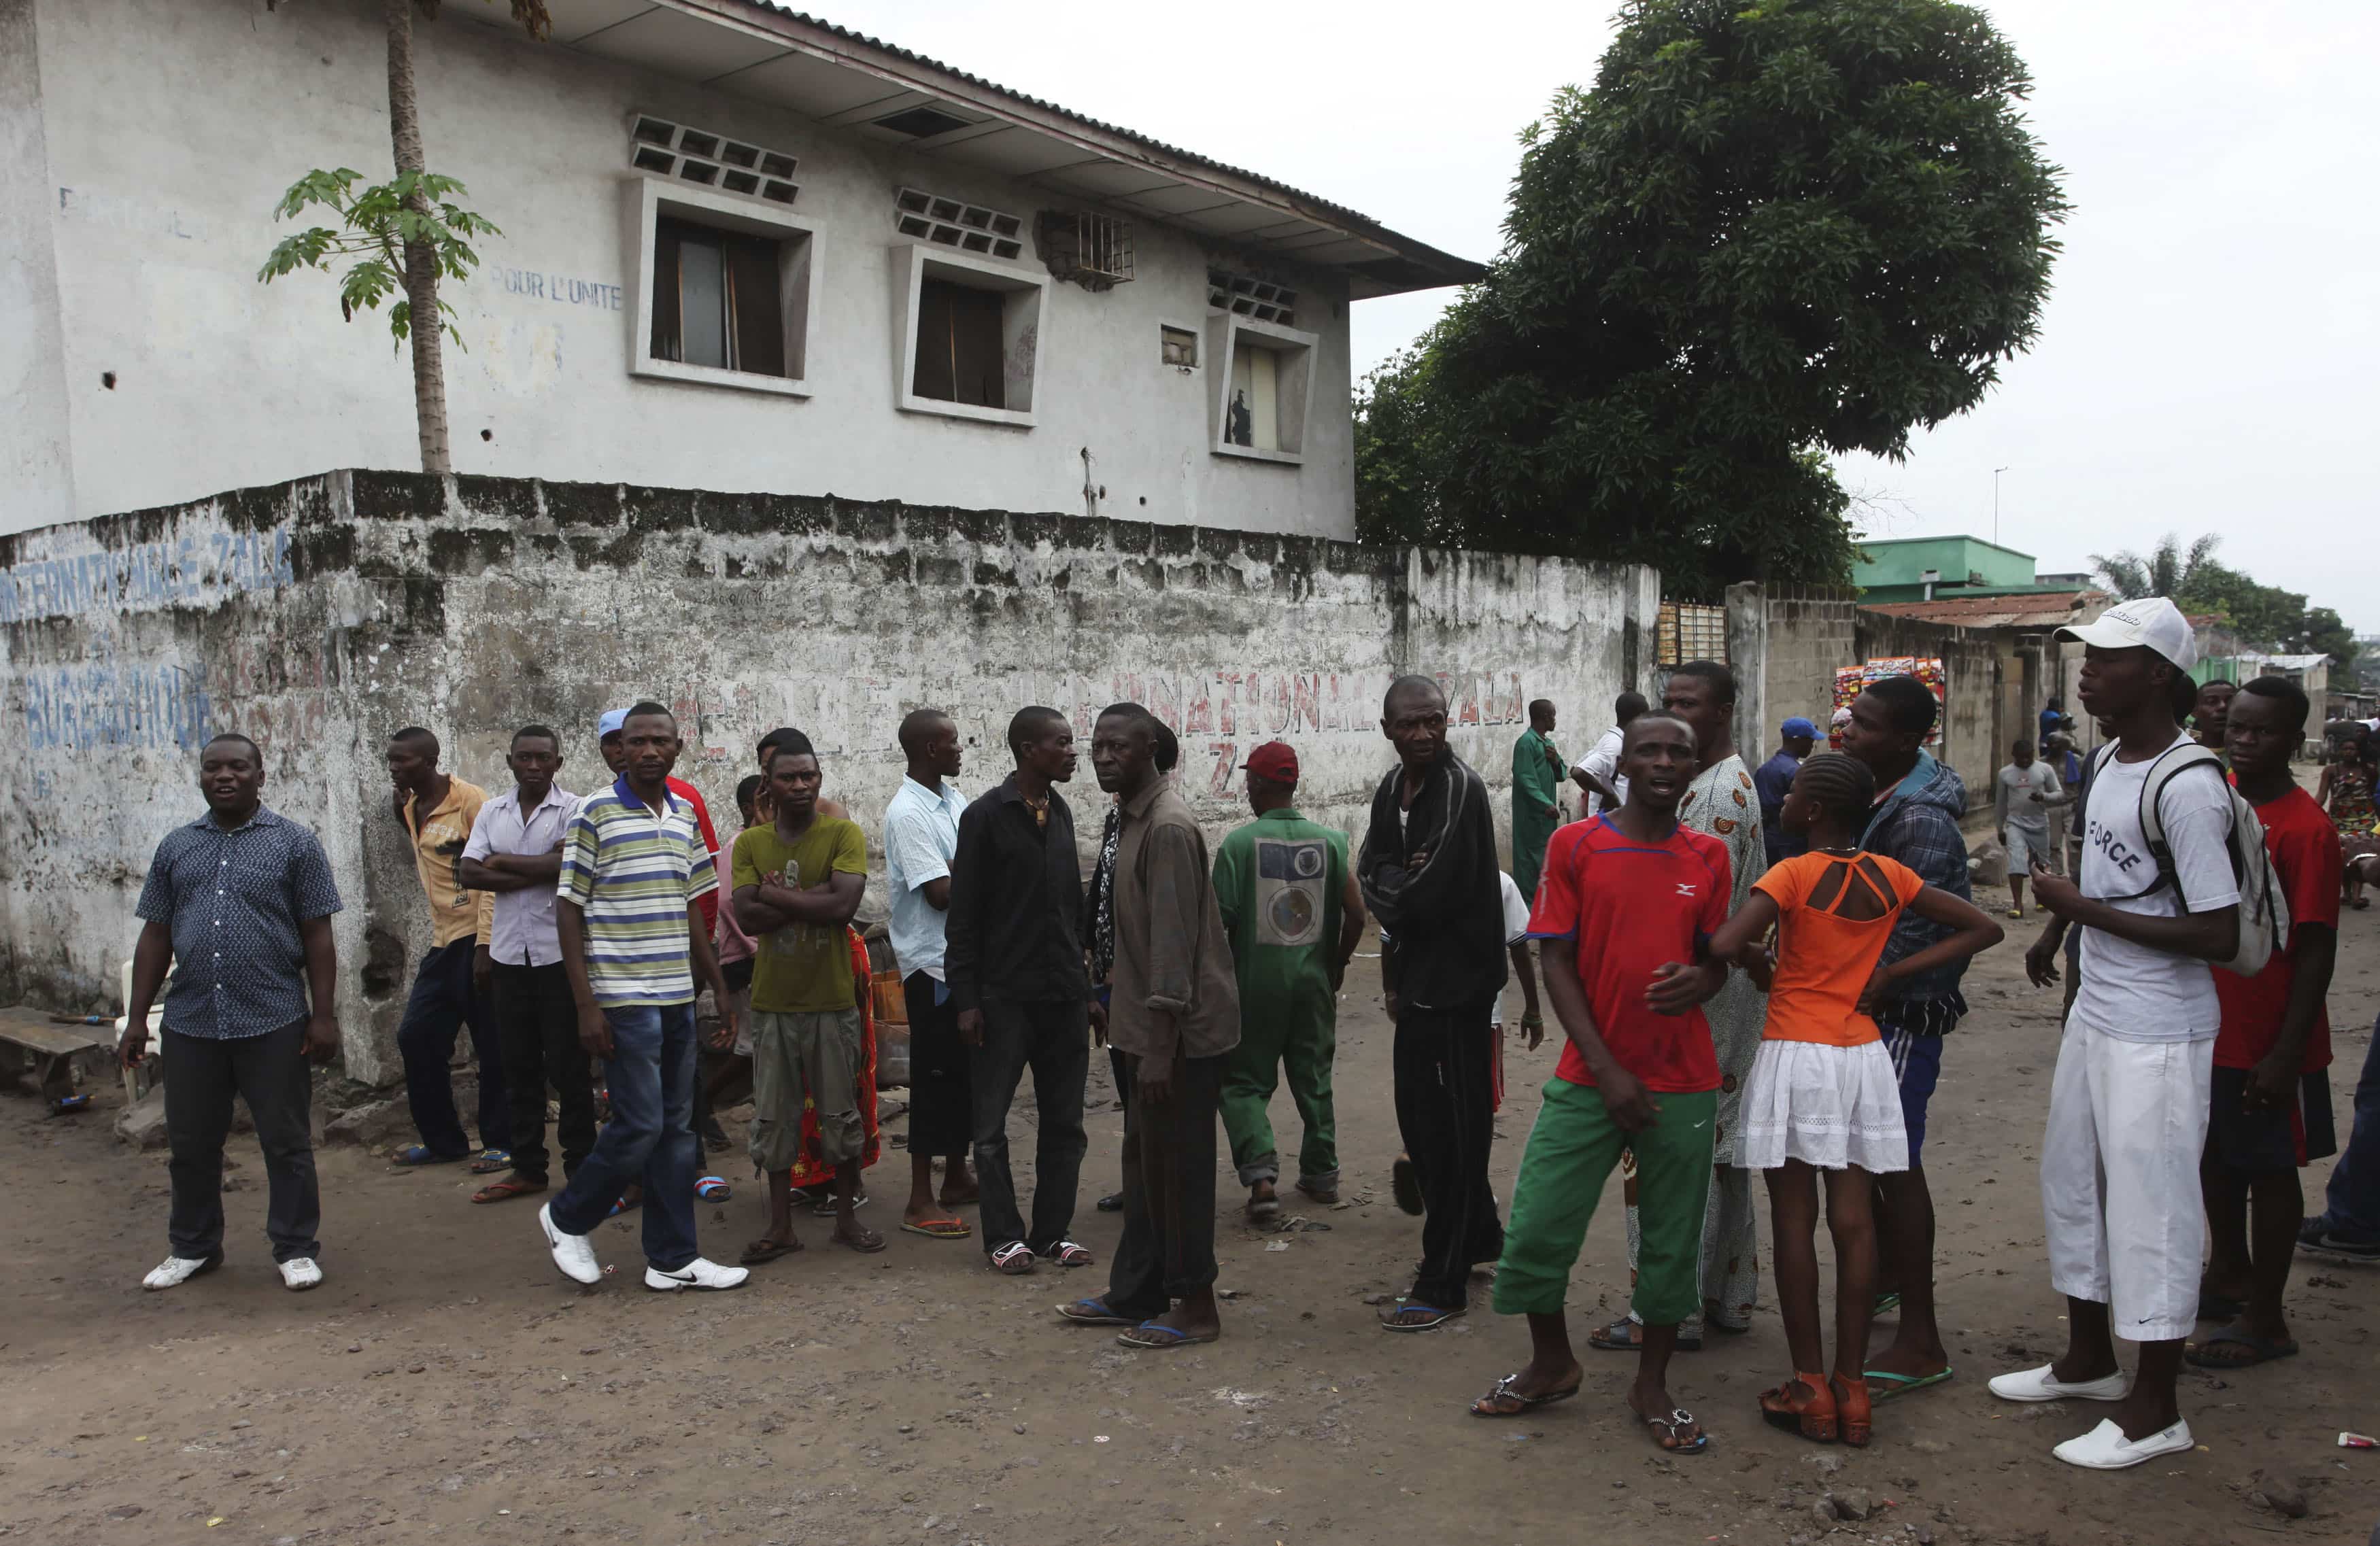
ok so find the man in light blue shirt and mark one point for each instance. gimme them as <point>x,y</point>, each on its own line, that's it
<point>921,837</point>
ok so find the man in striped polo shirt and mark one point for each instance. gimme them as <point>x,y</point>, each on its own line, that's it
<point>628,912</point>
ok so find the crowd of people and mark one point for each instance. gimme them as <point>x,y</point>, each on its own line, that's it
<point>1753,973</point>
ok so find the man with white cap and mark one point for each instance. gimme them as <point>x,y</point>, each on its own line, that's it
<point>2128,1106</point>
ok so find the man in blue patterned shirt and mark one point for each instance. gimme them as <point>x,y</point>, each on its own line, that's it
<point>241,898</point>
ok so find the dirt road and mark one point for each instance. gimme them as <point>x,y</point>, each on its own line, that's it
<point>445,1383</point>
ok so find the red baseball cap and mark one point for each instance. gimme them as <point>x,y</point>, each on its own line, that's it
<point>1273,762</point>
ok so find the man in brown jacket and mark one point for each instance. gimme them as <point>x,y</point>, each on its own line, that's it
<point>1175,1014</point>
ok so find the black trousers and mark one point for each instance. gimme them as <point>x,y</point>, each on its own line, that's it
<point>537,1026</point>
<point>202,1074</point>
<point>1444,1068</point>
<point>1168,1249</point>
<point>1054,1039</point>
<point>941,1108</point>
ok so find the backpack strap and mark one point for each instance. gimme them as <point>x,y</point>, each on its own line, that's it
<point>2167,765</point>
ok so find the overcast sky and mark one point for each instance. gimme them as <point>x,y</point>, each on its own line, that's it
<point>2205,364</point>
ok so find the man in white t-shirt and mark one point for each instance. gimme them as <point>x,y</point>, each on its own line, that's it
<point>1598,771</point>
<point>2128,1106</point>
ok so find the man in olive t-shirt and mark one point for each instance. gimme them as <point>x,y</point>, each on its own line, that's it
<point>797,882</point>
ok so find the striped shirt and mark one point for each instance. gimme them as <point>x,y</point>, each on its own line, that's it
<point>632,871</point>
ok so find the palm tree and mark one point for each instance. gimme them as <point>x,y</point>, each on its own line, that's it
<point>2166,571</point>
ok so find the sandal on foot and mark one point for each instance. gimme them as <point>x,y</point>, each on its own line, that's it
<point>713,1189</point>
<point>1884,1304</point>
<point>1625,1336</point>
<point>416,1154</point>
<point>1264,1210</point>
<point>1667,1432</point>
<point>1155,1336</point>
<point>1803,1404</point>
<point>1112,1203</point>
<point>1884,1385</point>
<point>492,1161</point>
<point>938,1228</point>
<point>827,1207</point>
<point>510,1187</point>
<point>1066,1253</point>
<point>1326,1195</point>
<point>1392,1319</point>
<point>1093,1312</point>
<point>2260,1350</point>
<point>1504,1401</point>
<point>1016,1259</point>
<point>1852,1409</point>
<point>765,1249</point>
<point>863,1239</point>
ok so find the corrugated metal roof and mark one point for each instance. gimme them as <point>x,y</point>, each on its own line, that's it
<point>2041,609</point>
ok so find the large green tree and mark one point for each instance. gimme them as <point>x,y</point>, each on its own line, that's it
<point>1772,231</point>
<point>2264,617</point>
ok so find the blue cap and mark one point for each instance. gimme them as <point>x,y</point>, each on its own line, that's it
<point>610,723</point>
<point>1799,726</point>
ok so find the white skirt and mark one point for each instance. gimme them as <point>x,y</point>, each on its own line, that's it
<point>1828,1106</point>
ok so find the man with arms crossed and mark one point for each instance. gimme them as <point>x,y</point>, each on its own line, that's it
<point>2128,1105</point>
<point>242,899</point>
<point>628,914</point>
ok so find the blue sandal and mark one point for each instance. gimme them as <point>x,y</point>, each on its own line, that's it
<point>1388,1321</point>
<point>1093,1312</point>
<point>416,1154</point>
<point>1156,1337</point>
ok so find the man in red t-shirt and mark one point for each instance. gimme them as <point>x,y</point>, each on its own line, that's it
<point>2270,1111</point>
<point>1625,907</point>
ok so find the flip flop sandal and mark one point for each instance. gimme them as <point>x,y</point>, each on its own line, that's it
<point>492,1161</point>
<point>713,1189</point>
<point>1884,1385</point>
<point>1884,1304</point>
<point>510,1187</point>
<point>414,1155</point>
<point>767,1251</point>
<point>868,1243</point>
<point>1491,1404</point>
<point>1157,1339</point>
<point>2261,1349</point>
<point>1093,1312</point>
<point>1438,1317</point>
<point>938,1228</point>
<point>1623,1336</point>
<point>828,1209</point>
<point>1813,1416</point>
<point>1665,1432</point>
<point>1066,1253</point>
<point>1016,1259</point>
<point>1112,1203</point>
<point>1263,1210</point>
<point>621,1205</point>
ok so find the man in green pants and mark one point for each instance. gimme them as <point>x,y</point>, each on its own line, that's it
<point>1536,796</point>
<point>1625,913</point>
<point>1293,914</point>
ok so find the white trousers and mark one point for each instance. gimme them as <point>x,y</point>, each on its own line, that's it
<point>2119,1188</point>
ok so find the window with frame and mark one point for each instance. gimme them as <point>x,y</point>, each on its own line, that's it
<point>719,298</point>
<point>962,344</point>
<point>1264,388</point>
<point>971,343</point>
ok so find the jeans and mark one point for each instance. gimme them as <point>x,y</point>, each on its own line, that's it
<point>651,1136</point>
<point>443,1000</point>
<point>1168,1249</point>
<point>2351,1206</point>
<point>203,1073</point>
<point>537,1022</point>
<point>1054,1039</point>
<point>1443,1063</point>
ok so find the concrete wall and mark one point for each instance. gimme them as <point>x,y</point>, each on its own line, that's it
<point>319,615</point>
<point>172,131</point>
<point>1787,642</point>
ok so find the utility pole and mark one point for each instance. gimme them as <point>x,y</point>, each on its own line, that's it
<point>1996,505</point>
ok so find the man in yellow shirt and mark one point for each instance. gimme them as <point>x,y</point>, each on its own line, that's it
<point>450,989</point>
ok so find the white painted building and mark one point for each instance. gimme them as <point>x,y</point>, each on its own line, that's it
<point>743,250</point>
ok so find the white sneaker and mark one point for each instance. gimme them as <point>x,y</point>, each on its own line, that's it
<point>572,1254</point>
<point>2041,1385</point>
<point>2104,1448</point>
<point>301,1272</point>
<point>697,1273</point>
<point>174,1271</point>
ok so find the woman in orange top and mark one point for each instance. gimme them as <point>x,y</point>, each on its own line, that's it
<point>1821,1094</point>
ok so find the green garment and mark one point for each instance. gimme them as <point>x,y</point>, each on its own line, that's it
<point>802,967</point>
<point>1278,882</point>
<point>1537,783</point>
<point>1573,1149</point>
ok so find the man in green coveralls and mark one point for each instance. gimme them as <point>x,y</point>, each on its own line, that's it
<point>1293,914</point>
<point>1537,783</point>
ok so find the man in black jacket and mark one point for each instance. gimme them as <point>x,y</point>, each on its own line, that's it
<point>1429,873</point>
<point>1014,964</point>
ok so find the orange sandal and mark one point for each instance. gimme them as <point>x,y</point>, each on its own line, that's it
<point>1804,1404</point>
<point>1852,1406</point>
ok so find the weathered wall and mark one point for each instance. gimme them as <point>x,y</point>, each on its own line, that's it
<point>1787,642</point>
<point>36,485</point>
<point>317,616</point>
<point>172,131</point>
